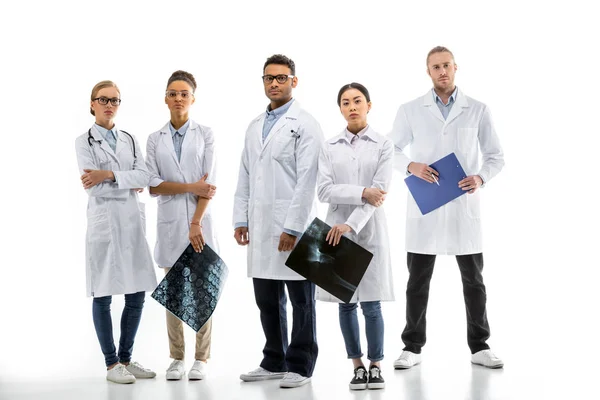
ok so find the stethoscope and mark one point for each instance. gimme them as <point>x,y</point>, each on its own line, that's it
<point>90,138</point>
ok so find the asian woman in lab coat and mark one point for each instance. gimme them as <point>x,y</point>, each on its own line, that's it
<point>181,161</point>
<point>355,170</point>
<point>118,259</point>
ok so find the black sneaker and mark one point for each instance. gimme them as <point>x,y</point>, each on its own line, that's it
<point>360,379</point>
<point>375,379</point>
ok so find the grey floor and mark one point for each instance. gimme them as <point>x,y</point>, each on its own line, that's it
<point>545,342</point>
<point>436,378</point>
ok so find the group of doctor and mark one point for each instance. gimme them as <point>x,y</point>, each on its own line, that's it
<point>285,160</point>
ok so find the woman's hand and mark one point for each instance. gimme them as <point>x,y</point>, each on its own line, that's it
<point>92,177</point>
<point>335,234</point>
<point>374,196</point>
<point>196,237</point>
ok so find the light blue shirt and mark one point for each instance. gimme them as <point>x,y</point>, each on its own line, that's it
<point>109,135</point>
<point>273,116</point>
<point>270,119</point>
<point>178,135</point>
<point>445,108</point>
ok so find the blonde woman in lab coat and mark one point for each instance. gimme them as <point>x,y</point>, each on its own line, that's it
<point>118,259</point>
<point>355,170</point>
<point>181,162</point>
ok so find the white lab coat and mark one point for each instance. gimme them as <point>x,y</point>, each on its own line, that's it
<point>344,172</point>
<point>175,212</point>
<point>118,259</point>
<point>276,188</point>
<point>454,228</point>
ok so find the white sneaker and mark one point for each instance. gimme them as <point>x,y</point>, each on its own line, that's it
<point>407,359</point>
<point>198,371</point>
<point>292,380</point>
<point>136,369</point>
<point>261,374</point>
<point>487,359</point>
<point>176,370</point>
<point>119,374</point>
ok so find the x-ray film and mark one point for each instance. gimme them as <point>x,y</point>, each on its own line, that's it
<point>336,269</point>
<point>191,289</point>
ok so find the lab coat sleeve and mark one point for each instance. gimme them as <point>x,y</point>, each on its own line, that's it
<point>152,164</point>
<point>242,193</point>
<point>381,180</point>
<point>489,144</point>
<point>307,152</point>
<point>327,191</point>
<point>138,176</point>
<point>210,157</point>
<point>401,135</point>
<point>85,160</point>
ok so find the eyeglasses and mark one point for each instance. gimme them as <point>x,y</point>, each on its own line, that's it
<point>104,101</point>
<point>280,78</point>
<point>184,94</point>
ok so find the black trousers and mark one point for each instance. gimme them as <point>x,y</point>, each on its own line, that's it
<point>420,268</point>
<point>301,354</point>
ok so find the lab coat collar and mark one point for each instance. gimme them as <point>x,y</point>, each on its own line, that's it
<point>368,133</point>
<point>457,109</point>
<point>290,115</point>
<point>123,141</point>
<point>103,143</point>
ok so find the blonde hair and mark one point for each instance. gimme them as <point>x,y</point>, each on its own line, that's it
<point>99,86</point>
<point>437,49</point>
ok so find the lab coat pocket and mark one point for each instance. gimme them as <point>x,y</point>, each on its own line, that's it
<point>473,205</point>
<point>162,199</point>
<point>98,229</point>
<point>280,210</point>
<point>467,140</point>
<point>284,145</point>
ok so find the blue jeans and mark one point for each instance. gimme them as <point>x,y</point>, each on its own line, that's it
<point>130,320</point>
<point>373,327</point>
<point>301,354</point>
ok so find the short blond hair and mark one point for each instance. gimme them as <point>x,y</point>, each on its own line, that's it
<point>99,86</point>
<point>437,49</point>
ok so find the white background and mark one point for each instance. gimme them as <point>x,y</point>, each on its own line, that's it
<point>534,63</point>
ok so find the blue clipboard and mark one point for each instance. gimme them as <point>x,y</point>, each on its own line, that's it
<point>430,196</point>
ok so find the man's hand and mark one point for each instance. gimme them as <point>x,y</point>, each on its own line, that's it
<point>203,189</point>
<point>423,171</point>
<point>241,235</point>
<point>92,177</point>
<point>335,234</point>
<point>471,183</point>
<point>286,242</point>
<point>374,196</point>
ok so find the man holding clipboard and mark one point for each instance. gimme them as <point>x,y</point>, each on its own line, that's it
<point>441,122</point>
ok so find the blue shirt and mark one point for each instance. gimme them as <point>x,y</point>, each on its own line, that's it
<point>445,108</point>
<point>109,135</point>
<point>273,116</point>
<point>178,135</point>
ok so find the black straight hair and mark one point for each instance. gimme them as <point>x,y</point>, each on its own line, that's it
<point>356,86</point>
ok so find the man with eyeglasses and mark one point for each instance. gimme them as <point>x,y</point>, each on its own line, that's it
<point>274,203</point>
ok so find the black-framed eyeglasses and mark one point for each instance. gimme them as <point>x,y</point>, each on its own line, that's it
<point>173,93</point>
<point>280,78</point>
<point>104,101</point>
